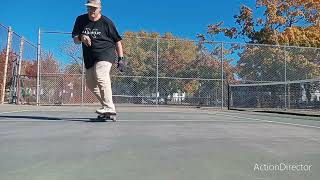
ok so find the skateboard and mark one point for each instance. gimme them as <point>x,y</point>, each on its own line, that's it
<point>106,116</point>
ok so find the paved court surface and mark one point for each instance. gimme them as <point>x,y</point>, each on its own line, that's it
<point>158,143</point>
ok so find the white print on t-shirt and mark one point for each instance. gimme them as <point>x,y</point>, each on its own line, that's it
<point>94,32</point>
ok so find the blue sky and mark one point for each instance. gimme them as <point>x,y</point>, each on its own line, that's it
<point>184,18</point>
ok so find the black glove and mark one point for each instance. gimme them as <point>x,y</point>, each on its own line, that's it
<point>121,64</point>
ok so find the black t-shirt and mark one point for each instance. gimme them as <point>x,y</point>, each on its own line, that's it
<point>103,35</point>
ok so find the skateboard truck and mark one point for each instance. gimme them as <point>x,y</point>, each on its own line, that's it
<point>107,116</point>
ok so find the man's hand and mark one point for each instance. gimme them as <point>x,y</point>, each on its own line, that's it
<point>86,40</point>
<point>121,64</point>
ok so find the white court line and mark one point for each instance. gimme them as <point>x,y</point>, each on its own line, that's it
<point>269,121</point>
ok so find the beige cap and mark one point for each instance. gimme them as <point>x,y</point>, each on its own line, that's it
<point>93,3</point>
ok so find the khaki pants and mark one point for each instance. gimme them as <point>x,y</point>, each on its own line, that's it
<point>98,81</point>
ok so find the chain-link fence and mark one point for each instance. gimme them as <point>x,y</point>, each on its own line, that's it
<point>276,77</point>
<point>168,71</point>
<point>18,74</point>
<point>159,71</point>
<point>28,74</point>
<point>181,72</point>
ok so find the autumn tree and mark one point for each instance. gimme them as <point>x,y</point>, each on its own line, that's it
<point>183,65</point>
<point>29,68</point>
<point>51,79</point>
<point>142,50</point>
<point>294,23</point>
<point>175,58</point>
<point>284,22</point>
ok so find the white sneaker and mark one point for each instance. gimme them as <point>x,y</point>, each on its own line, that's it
<point>105,110</point>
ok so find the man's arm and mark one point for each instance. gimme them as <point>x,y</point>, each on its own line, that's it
<point>119,49</point>
<point>76,32</point>
<point>120,64</point>
<point>79,38</point>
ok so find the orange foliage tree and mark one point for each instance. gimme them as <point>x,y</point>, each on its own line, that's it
<point>284,22</point>
<point>180,62</point>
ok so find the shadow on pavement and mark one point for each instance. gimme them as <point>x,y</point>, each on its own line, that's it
<point>51,118</point>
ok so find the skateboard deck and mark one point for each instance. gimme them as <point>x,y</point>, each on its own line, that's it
<point>105,117</point>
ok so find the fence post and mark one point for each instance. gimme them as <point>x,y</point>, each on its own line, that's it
<point>157,83</point>
<point>38,66</point>
<point>19,70</point>
<point>287,86</point>
<point>222,76</point>
<point>4,80</point>
<point>82,82</point>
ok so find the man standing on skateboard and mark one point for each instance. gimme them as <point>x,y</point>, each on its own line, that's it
<point>101,45</point>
